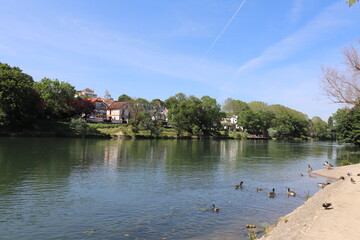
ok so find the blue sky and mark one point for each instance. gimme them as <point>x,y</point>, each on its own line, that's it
<point>269,51</point>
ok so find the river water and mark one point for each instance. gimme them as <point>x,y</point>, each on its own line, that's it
<point>53,188</point>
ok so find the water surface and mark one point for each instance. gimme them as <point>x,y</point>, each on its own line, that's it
<point>150,189</point>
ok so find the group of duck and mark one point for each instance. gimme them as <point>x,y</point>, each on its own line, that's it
<point>272,194</point>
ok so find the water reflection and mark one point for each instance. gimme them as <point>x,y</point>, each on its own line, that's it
<point>149,189</point>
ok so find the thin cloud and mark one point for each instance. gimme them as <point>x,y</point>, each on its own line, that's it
<point>333,17</point>
<point>224,29</point>
<point>297,9</point>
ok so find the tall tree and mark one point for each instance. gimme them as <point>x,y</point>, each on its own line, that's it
<point>18,100</point>
<point>56,96</point>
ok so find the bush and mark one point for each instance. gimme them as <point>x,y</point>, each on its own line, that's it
<point>80,127</point>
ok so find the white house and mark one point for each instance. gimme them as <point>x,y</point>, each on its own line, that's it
<point>119,112</point>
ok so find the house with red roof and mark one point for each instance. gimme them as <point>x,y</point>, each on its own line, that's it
<point>119,112</point>
<point>86,93</point>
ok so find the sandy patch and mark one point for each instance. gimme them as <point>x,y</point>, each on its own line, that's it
<point>312,221</point>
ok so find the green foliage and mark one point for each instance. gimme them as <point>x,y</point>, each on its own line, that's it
<point>288,126</point>
<point>80,127</point>
<point>124,98</point>
<point>351,2</point>
<point>234,107</point>
<point>144,121</point>
<point>193,115</point>
<point>347,125</point>
<point>19,103</point>
<point>256,122</point>
<point>319,129</point>
<point>257,106</point>
<point>56,96</point>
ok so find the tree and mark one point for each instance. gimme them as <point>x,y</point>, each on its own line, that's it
<point>144,121</point>
<point>193,115</point>
<point>319,129</point>
<point>347,124</point>
<point>343,86</point>
<point>124,98</point>
<point>234,107</point>
<point>257,105</point>
<point>107,95</point>
<point>351,2</point>
<point>56,97</point>
<point>81,106</point>
<point>19,102</point>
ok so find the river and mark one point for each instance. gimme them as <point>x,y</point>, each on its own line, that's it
<point>58,188</point>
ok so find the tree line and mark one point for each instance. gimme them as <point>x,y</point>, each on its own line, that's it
<point>23,101</point>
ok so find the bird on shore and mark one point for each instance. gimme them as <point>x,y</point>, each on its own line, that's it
<point>326,205</point>
<point>259,189</point>
<point>352,180</point>
<point>358,174</point>
<point>322,185</point>
<point>238,186</point>
<point>215,209</point>
<point>309,168</point>
<point>349,174</point>
<point>328,165</point>
<point>341,178</point>
<point>290,193</point>
<point>272,194</point>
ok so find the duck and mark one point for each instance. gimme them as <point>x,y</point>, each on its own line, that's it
<point>301,174</point>
<point>290,193</point>
<point>326,205</point>
<point>352,180</point>
<point>328,165</point>
<point>272,194</point>
<point>215,209</point>
<point>259,189</point>
<point>322,185</point>
<point>239,185</point>
<point>341,178</point>
<point>309,168</point>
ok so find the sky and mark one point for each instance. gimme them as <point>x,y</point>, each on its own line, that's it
<point>249,50</point>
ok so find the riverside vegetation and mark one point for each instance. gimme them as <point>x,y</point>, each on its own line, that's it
<point>50,106</point>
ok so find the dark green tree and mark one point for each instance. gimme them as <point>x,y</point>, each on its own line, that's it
<point>56,97</point>
<point>19,102</point>
<point>124,98</point>
<point>193,115</point>
<point>347,124</point>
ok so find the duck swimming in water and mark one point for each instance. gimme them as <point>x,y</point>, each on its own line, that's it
<point>290,193</point>
<point>272,194</point>
<point>215,209</point>
<point>238,186</point>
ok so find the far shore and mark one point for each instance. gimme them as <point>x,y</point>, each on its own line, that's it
<point>312,221</point>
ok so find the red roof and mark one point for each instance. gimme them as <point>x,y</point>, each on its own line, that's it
<point>117,105</point>
<point>88,90</point>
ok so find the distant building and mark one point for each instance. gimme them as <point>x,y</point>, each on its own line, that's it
<point>86,93</point>
<point>119,112</point>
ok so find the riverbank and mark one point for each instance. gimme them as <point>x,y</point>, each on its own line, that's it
<point>312,221</point>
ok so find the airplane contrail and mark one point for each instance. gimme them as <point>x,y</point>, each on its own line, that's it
<point>224,29</point>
